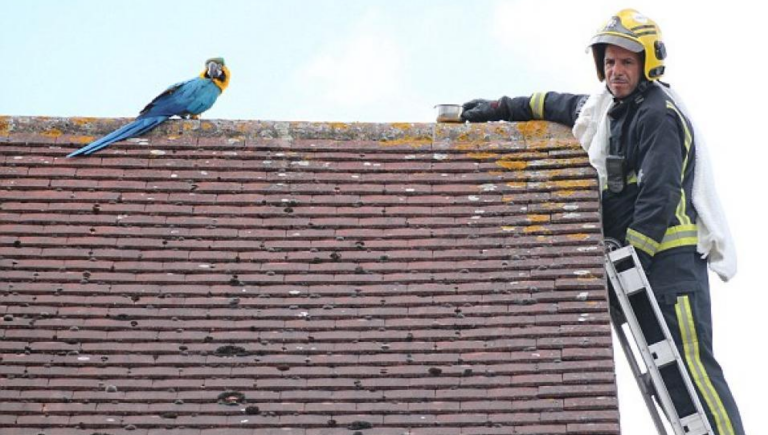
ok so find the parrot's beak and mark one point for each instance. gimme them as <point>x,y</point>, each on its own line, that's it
<point>214,70</point>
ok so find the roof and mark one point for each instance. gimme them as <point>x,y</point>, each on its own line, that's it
<point>249,277</point>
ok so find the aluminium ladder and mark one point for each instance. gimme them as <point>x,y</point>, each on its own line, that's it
<point>632,290</point>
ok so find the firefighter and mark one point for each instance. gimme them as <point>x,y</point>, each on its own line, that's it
<point>643,147</point>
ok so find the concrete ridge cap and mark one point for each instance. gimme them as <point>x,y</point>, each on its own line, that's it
<point>395,132</point>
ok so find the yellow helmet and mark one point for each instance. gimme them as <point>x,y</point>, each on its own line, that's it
<point>631,30</point>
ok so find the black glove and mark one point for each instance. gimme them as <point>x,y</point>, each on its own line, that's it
<point>480,110</point>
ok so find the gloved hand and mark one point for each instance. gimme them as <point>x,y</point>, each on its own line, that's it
<point>480,110</point>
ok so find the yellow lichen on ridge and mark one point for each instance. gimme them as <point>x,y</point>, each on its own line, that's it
<point>339,125</point>
<point>54,132</point>
<point>512,165</point>
<point>535,229</point>
<point>83,121</point>
<point>4,125</point>
<point>532,129</point>
<point>408,138</point>
<point>463,137</point>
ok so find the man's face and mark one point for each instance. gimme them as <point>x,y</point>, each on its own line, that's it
<point>623,70</point>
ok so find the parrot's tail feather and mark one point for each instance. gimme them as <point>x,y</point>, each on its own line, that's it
<point>136,128</point>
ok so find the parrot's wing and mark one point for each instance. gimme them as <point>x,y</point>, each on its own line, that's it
<point>164,95</point>
<point>190,97</point>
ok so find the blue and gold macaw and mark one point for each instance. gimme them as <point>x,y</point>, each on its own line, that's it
<point>186,99</point>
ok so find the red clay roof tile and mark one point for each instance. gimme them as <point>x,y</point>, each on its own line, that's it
<point>244,277</point>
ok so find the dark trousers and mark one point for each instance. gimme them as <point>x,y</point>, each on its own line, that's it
<point>680,283</point>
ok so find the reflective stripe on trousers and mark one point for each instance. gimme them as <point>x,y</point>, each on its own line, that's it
<point>688,317</point>
<point>691,353</point>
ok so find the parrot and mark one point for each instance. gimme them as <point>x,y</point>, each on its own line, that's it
<point>186,99</point>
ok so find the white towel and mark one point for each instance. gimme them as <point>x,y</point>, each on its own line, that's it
<point>716,244</point>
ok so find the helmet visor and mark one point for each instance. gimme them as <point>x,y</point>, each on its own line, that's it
<point>621,41</point>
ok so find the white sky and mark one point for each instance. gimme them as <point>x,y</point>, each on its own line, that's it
<point>392,60</point>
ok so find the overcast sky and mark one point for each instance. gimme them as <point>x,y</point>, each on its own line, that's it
<point>393,60</point>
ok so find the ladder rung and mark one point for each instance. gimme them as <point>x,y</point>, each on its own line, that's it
<point>693,425</point>
<point>619,254</point>
<point>631,281</point>
<point>662,353</point>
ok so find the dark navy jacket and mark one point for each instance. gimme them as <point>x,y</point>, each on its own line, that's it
<point>653,211</point>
